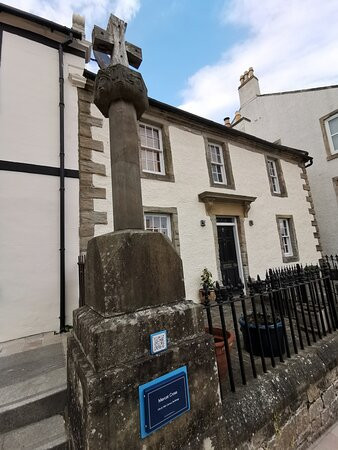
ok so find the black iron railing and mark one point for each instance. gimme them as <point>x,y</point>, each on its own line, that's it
<point>81,268</point>
<point>279,316</point>
<point>331,262</point>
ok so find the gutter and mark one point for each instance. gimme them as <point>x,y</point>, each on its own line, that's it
<point>232,132</point>
<point>53,26</point>
<point>62,187</point>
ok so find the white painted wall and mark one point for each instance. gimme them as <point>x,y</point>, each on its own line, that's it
<point>294,118</point>
<point>29,203</point>
<point>191,178</point>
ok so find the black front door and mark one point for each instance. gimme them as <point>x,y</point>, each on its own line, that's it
<point>227,254</point>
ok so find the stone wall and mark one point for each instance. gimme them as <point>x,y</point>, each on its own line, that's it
<point>289,407</point>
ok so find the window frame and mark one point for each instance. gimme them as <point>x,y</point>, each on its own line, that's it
<point>160,216</point>
<point>279,176</point>
<point>173,218</point>
<point>152,149</point>
<point>220,164</point>
<point>227,174</point>
<point>293,255</point>
<point>272,167</point>
<point>328,143</point>
<point>163,126</point>
<point>328,131</point>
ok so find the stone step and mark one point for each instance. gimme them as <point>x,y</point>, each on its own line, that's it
<point>32,386</point>
<point>47,434</point>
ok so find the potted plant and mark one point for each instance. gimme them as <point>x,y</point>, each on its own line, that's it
<point>274,329</point>
<point>207,286</point>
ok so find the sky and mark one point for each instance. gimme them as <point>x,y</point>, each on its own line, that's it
<point>194,51</point>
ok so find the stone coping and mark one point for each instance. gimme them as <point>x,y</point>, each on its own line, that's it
<point>254,406</point>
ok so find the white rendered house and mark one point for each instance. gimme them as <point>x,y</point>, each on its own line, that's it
<point>305,119</point>
<point>228,201</point>
<point>41,63</point>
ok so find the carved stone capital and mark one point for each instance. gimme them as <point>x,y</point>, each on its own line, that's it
<point>120,83</point>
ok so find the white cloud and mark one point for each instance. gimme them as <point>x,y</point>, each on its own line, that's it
<point>292,44</point>
<point>95,11</point>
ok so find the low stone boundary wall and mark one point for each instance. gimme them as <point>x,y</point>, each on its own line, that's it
<point>288,408</point>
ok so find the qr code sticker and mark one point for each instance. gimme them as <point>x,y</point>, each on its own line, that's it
<point>159,342</point>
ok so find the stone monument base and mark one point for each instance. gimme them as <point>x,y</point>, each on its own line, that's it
<point>109,353</point>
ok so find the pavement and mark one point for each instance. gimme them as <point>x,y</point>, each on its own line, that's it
<point>328,441</point>
<point>33,392</point>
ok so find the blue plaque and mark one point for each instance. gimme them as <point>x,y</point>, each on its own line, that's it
<point>163,399</point>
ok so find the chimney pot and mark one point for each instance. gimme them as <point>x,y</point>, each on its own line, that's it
<point>251,72</point>
<point>78,23</point>
<point>227,122</point>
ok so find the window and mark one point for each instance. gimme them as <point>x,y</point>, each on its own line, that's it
<point>332,131</point>
<point>163,220</point>
<point>158,223</point>
<point>273,176</point>
<point>217,164</point>
<point>287,237</point>
<point>152,160</point>
<point>329,126</point>
<point>284,230</point>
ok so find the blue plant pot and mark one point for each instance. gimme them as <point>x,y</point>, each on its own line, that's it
<point>275,337</point>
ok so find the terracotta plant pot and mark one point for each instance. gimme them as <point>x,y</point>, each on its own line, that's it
<point>212,295</point>
<point>221,358</point>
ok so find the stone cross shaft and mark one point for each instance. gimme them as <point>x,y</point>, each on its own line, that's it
<point>121,95</point>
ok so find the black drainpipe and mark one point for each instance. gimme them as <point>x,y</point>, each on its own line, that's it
<point>310,161</point>
<point>62,188</point>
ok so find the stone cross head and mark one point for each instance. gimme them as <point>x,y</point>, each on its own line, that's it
<point>110,47</point>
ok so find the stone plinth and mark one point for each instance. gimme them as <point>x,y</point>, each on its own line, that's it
<point>134,288</point>
<point>129,270</point>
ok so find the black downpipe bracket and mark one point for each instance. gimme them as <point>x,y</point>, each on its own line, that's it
<point>62,188</point>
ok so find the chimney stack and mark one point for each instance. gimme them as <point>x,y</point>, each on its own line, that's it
<point>227,122</point>
<point>249,87</point>
<point>248,74</point>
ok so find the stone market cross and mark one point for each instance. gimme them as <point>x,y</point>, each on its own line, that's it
<point>121,95</point>
<point>134,288</point>
<point>111,41</point>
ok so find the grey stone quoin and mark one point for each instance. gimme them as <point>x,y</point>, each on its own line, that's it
<point>134,287</point>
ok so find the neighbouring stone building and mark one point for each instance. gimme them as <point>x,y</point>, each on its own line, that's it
<point>208,187</point>
<point>308,119</point>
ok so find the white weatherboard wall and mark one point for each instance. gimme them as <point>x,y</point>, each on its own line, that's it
<point>29,203</point>
<point>294,118</point>
<point>197,244</point>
